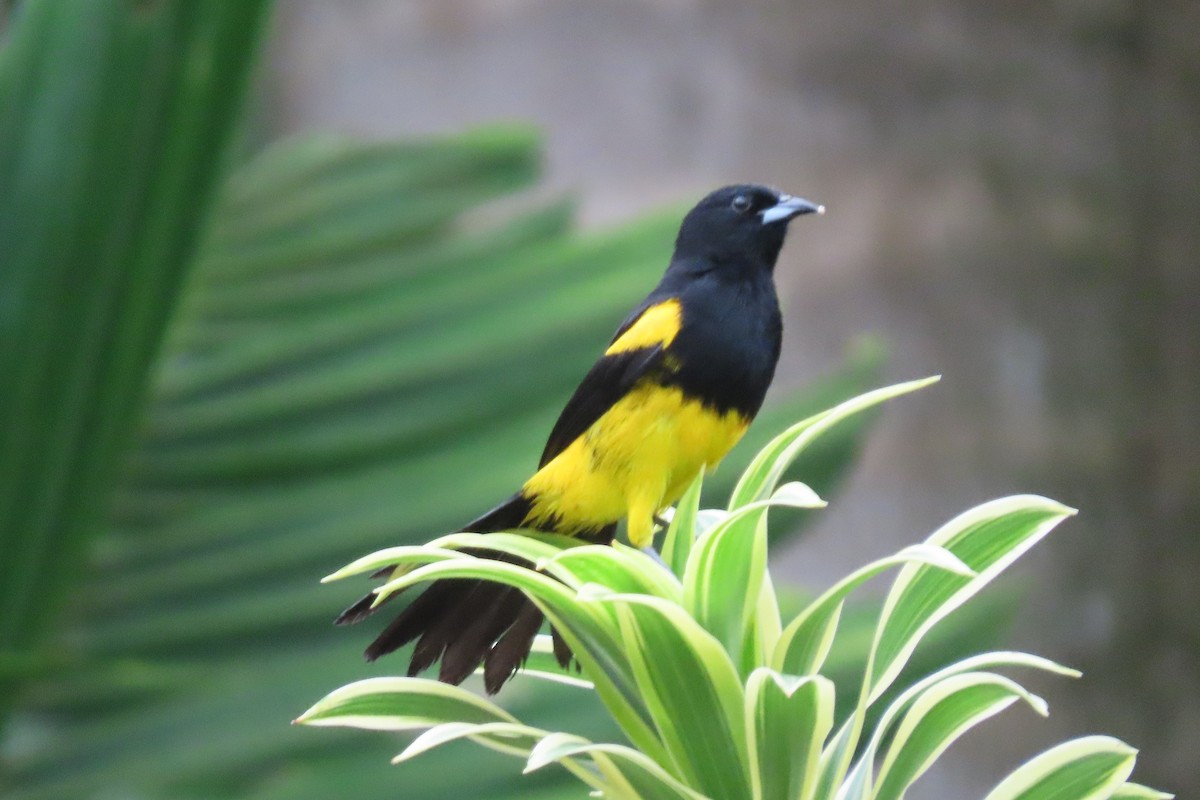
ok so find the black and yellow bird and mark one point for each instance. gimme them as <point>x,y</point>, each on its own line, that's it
<point>676,388</point>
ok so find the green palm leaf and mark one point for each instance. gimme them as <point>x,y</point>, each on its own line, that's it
<point>116,118</point>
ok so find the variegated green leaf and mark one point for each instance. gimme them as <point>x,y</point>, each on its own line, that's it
<point>681,532</point>
<point>401,704</point>
<point>503,737</point>
<point>767,468</point>
<point>626,772</point>
<point>590,632</point>
<point>982,661</point>
<point>858,783</point>
<point>392,557</point>
<point>787,720</point>
<point>834,756</point>
<point>1088,768</point>
<point>723,579</point>
<point>765,628</point>
<point>618,568</point>
<point>542,664</point>
<point>936,719</point>
<point>987,539</point>
<point>1135,791</point>
<point>805,642</point>
<point>510,738</point>
<point>528,545</point>
<point>692,692</point>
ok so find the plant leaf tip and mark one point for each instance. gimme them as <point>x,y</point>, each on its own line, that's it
<point>593,591</point>
<point>1059,508</point>
<point>338,574</point>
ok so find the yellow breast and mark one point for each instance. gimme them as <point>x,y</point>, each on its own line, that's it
<point>634,461</point>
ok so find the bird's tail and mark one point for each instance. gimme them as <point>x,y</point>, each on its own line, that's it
<point>465,622</point>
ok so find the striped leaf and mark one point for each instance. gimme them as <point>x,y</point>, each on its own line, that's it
<point>626,773</point>
<point>691,691</point>
<point>787,720</point>
<point>937,718</point>
<point>805,642</point>
<point>759,480</point>
<point>723,578</point>
<point>1088,768</point>
<point>987,539</point>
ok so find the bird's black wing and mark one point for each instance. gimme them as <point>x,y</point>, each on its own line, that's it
<point>636,350</point>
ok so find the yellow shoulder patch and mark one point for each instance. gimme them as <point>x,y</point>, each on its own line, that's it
<point>657,325</point>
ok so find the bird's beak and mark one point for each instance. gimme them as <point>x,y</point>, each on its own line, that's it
<point>788,207</point>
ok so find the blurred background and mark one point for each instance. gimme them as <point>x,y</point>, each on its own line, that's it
<point>1014,197</point>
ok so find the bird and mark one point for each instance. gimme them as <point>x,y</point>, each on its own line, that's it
<point>674,390</point>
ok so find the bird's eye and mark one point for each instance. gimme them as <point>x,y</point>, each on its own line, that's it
<point>740,204</point>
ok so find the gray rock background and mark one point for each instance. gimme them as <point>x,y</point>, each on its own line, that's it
<point>1013,203</point>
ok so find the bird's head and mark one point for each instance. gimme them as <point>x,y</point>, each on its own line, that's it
<point>742,224</point>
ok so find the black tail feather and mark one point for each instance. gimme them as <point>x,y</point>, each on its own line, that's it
<point>361,609</point>
<point>453,618</point>
<point>413,620</point>
<point>562,653</point>
<point>474,643</point>
<point>510,652</point>
<point>465,623</point>
<point>506,516</point>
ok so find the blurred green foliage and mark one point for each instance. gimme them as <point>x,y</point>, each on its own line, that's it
<point>369,351</point>
<point>115,117</point>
